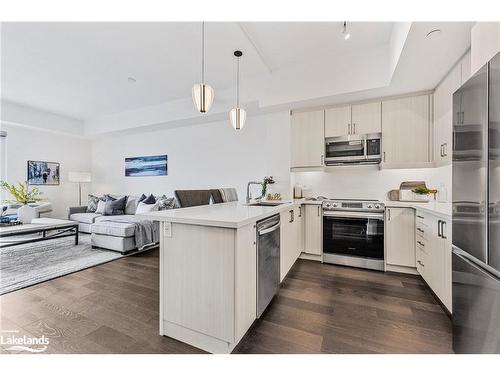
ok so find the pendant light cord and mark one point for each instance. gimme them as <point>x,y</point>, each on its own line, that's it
<point>238,84</point>
<point>203,52</point>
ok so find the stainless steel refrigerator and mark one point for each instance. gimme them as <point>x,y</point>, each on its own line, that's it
<point>476,212</point>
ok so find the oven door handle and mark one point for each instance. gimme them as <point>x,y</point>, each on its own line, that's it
<point>360,215</point>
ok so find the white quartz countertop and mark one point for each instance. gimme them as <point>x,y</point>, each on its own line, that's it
<point>433,207</point>
<point>226,215</point>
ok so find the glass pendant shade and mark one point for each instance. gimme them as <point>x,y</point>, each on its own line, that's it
<point>237,116</point>
<point>203,97</point>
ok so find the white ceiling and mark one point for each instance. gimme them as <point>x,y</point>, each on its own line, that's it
<point>80,69</point>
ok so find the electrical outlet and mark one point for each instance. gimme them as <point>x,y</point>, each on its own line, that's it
<point>167,229</point>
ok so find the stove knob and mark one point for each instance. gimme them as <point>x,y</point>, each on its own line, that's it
<point>377,206</point>
<point>327,205</point>
<point>369,206</point>
<point>334,205</point>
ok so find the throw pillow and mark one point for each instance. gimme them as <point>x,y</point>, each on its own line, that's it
<point>149,200</point>
<point>165,203</point>
<point>101,205</point>
<point>92,203</point>
<point>131,205</point>
<point>115,206</point>
<point>143,208</point>
<point>142,197</point>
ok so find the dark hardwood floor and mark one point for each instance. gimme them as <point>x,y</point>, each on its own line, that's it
<point>113,308</point>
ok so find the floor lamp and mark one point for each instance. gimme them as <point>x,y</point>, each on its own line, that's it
<point>79,177</point>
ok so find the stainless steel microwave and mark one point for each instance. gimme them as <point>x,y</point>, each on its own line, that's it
<point>354,149</point>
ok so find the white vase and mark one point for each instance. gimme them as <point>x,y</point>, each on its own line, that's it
<point>25,214</point>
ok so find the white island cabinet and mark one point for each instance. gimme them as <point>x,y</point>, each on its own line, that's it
<point>208,272</point>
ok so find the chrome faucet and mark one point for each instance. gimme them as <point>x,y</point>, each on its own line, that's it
<point>249,196</point>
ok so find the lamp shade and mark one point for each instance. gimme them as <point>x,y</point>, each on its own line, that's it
<point>79,177</point>
<point>203,97</point>
<point>237,116</point>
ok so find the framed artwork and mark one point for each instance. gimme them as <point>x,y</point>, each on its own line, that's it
<point>43,173</point>
<point>139,166</point>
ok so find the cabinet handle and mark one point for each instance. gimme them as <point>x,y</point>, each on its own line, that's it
<point>348,128</point>
<point>318,210</point>
<point>300,211</point>
<point>420,217</point>
<point>441,152</point>
<point>354,128</point>
<point>388,214</point>
<point>443,223</point>
<point>291,216</point>
<point>445,145</point>
<point>420,243</point>
<point>322,159</point>
<point>463,116</point>
<point>420,230</point>
<point>439,228</point>
<point>419,262</point>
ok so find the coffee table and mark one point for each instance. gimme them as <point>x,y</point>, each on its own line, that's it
<point>49,228</point>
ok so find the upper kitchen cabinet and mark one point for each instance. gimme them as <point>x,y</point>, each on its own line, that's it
<point>307,139</point>
<point>367,118</point>
<point>338,121</point>
<point>405,132</point>
<point>443,115</point>
<point>356,119</point>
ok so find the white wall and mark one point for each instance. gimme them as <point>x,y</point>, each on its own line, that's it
<point>210,155</point>
<point>73,153</point>
<point>368,182</point>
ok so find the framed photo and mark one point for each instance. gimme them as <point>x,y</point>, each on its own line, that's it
<point>139,166</point>
<point>43,173</point>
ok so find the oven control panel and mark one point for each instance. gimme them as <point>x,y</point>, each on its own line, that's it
<point>353,205</point>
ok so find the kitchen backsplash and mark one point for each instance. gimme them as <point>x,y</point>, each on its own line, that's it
<point>368,182</point>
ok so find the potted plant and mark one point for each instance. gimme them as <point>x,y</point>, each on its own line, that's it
<point>422,192</point>
<point>22,195</point>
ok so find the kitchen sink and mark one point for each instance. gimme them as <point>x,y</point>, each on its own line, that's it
<point>266,203</point>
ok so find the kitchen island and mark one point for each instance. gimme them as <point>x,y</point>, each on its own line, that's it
<point>208,272</point>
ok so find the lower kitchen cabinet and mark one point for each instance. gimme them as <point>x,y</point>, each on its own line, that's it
<point>433,254</point>
<point>399,237</point>
<point>289,240</point>
<point>313,229</point>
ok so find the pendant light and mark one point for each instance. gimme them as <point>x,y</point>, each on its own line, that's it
<point>238,115</point>
<point>203,94</point>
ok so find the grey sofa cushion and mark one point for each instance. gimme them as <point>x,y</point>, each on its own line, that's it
<point>121,244</point>
<point>114,229</point>
<point>84,217</point>
<point>165,203</point>
<point>92,203</point>
<point>115,206</point>
<point>104,218</point>
<point>131,205</point>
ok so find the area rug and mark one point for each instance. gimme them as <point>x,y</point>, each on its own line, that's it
<point>25,265</point>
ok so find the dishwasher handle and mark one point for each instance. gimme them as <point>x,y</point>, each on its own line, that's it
<point>269,230</point>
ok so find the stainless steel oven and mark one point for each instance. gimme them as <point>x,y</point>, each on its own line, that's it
<point>353,233</point>
<point>351,149</point>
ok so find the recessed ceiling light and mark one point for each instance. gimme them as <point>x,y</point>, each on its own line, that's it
<point>433,33</point>
<point>131,80</point>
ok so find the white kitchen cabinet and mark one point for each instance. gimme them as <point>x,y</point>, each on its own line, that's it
<point>313,229</point>
<point>356,119</point>
<point>485,43</point>
<point>367,118</point>
<point>400,237</point>
<point>289,240</point>
<point>300,215</point>
<point>405,131</point>
<point>433,254</point>
<point>337,121</point>
<point>443,115</point>
<point>307,143</point>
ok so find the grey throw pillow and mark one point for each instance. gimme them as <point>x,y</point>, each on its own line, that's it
<point>149,200</point>
<point>115,206</point>
<point>92,203</point>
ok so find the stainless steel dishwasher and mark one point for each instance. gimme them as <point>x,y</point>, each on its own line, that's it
<point>268,261</point>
